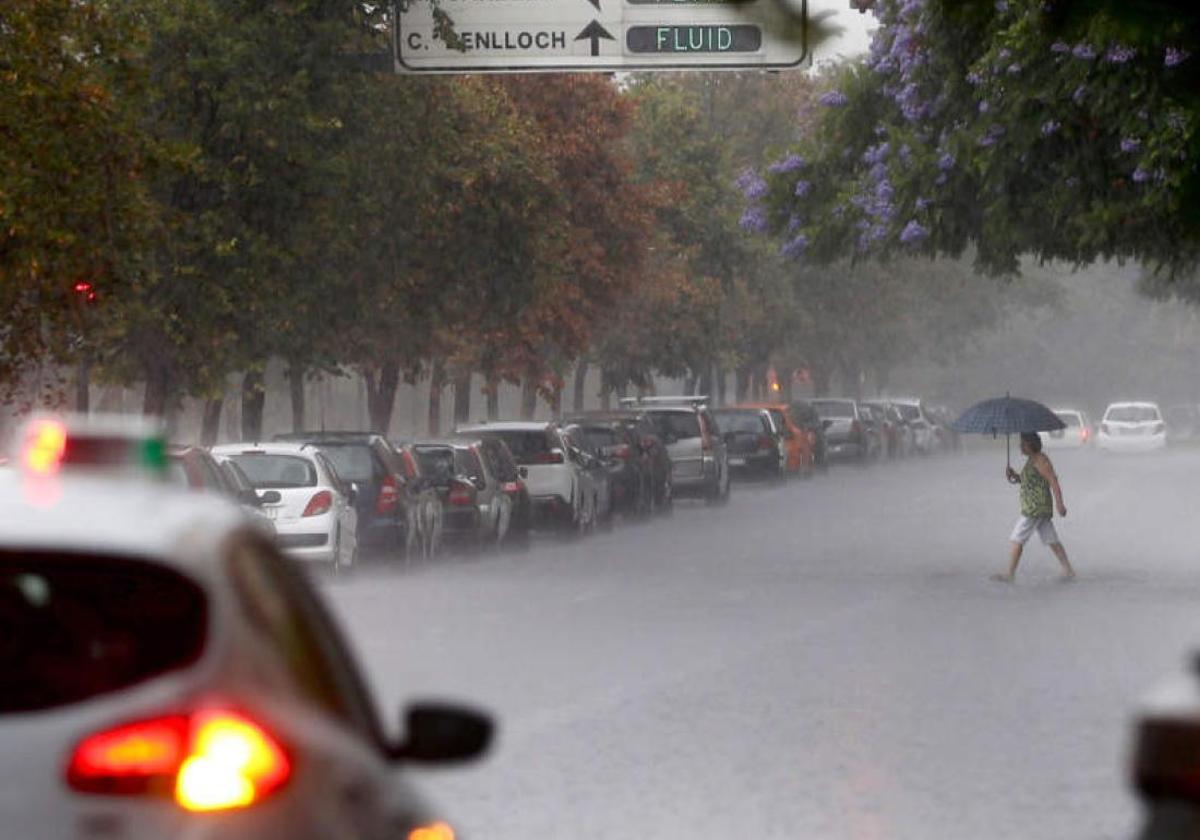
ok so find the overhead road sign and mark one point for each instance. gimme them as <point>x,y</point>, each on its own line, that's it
<point>530,36</point>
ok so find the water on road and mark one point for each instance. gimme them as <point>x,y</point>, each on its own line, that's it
<point>824,660</point>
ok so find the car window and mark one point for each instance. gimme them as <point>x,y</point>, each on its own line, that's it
<point>834,408</point>
<point>74,627</point>
<point>599,436</point>
<point>1070,419</point>
<point>676,425</point>
<point>909,412</point>
<point>354,461</point>
<point>276,471</point>
<point>466,461</point>
<point>506,468</point>
<point>526,447</point>
<point>281,606</point>
<point>436,461</point>
<point>779,420</point>
<point>743,422</point>
<point>1132,414</point>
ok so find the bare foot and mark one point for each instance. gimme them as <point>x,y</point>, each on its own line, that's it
<point>1002,578</point>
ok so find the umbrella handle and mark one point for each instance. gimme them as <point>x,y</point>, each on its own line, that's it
<point>1008,450</point>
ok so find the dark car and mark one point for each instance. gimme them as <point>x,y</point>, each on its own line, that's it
<point>845,432</point>
<point>807,418</point>
<point>692,436</point>
<point>878,429</point>
<point>756,447</point>
<point>638,464</point>
<point>480,492</point>
<point>197,469</point>
<point>393,502</point>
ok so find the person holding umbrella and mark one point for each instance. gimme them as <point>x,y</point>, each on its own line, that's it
<point>1040,490</point>
<point>1040,495</point>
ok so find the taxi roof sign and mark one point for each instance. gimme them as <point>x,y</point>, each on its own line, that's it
<point>49,443</point>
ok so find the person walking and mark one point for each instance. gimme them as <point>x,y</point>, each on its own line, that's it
<point>1040,495</point>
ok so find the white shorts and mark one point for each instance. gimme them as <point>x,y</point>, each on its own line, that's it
<point>1025,527</point>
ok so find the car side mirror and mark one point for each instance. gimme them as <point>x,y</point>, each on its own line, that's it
<point>436,733</point>
<point>523,472</point>
<point>352,493</point>
<point>270,497</point>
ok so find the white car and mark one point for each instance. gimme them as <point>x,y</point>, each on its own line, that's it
<point>314,517</point>
<point>166,673</point>
<point>914,414</point>
<point>1077,434</point>
<point>560,482</point>
<point>1132,427</point>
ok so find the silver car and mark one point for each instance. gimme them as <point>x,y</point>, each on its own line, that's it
<point>699,457</point>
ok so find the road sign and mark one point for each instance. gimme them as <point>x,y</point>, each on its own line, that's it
<point>528,36</point>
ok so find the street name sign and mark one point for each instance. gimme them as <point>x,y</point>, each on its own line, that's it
<point>530,36</point>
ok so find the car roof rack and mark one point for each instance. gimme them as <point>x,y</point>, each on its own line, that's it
<point>681,400</point>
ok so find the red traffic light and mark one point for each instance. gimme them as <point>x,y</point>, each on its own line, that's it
<point>85,290</point>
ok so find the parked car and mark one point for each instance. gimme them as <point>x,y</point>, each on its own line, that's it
<point>914,413</point>
<point>169,675</point>
<point>798,444</point>
<point>561,485</point>
<point>315,518</point>
<point>1132,427</point>
<point>874,422</point>
<point>754,445</point>
<point>395,508</point>
<point>809,420</point>
<point>1077,434</point>
<point>699,459</point>
<point>898,436</point>
<point>589,458</point>
<point>478,505</point>
<point>638,466</point>
<point>196,469</point>
<point>844,429</point>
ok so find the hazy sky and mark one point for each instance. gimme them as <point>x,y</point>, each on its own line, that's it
<point>857,28</point>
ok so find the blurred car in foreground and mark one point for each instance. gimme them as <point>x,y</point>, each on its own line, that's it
<point>394,507</point>
<point>561,486</point>
<point>798,444</point>
<point>314,519</point>
<point>1132,427</point>
<point>754,445</point>
<point>165,673</point>
<point>1077,434</point>
<point>845,433</point>
<point>699,458</point>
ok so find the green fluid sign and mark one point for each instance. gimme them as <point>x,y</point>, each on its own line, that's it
<point>710,38</point>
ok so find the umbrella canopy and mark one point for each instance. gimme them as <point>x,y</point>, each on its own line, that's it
<point>1007,416</point>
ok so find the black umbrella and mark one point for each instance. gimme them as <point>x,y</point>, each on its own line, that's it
<point>1007,416</point>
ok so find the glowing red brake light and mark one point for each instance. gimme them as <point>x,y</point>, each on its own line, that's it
<point>389,495</point>
<point>623,451</point>
<point>209,761</point>
<point>320,503</point>
<point>461,495</point>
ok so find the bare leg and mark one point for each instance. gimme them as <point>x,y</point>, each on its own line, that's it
<point>1061,554</point>
<point>1014,559</point>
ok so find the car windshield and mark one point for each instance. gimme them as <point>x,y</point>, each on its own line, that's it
<point>1132,414</point>
<point>676,425</point>
<point>742,422</point>
<point>908,412</point>
<point>834,408</point>
<point>526,447</point>
<point>267,470</point>
<point>1069,418</point>
<point>598,436</point>
<point>353,461</point>
<point>75,627</point>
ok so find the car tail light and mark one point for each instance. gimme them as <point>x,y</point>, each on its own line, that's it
<point>623,451</point>
<point>512,487</point>
<point>554,456</point>
<point>211,760</point>
<point>389,495</point>
<point>461,495</point>
<point>1084,434</point>
<point>320,503</point>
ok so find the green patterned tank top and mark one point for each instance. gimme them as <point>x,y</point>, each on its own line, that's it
<point>1036,501</point>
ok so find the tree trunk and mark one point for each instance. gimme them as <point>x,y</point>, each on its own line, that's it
<point>786,375</point>
<point>254,398</point>
<point>296,389</point>
<point>462,396</point>
<point>741,380</point>
<point>528,396</point>
<point>820,380</point>
<point>556,402</point>
<point>83,381</point>
<point>722,390</point>
<point>154,401</point>
<point>492,390</point>
<point>581,372</point>
<point>705,383</point>
<point>437,380</point>
<point>210,426</point>
<point>606,389</point>
<point>689,386</point>
<point>381,395</point>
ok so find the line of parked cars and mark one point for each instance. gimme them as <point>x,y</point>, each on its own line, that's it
<point>329,497</point>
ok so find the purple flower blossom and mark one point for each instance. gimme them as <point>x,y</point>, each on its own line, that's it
<point>1078,96</point>
<point>1175,56</point>
<point>1005,54</point>
<point>795,248</point>
<point>1140,176</point>
<point>788,164</point>
<point>1002,6</point>
<point>876,154</point>
<point>803,188</point>
<point>1176,120</point>
<point>752,185</point>
<point>914,232</point>
<point>1084,51</point>
<point>983,106</point>
<point>946,162</point>
<point>1119,54</point>
<point>754,219</point>
<point>922,203</point>
<point>1060,47</point>
<point>1072,181</point>
<point>1014,69</point>
<point>794,223</point>
<point>833,99</point>
<point>974,78</point>
<point>1050,127</point>
<point>1129,145</point>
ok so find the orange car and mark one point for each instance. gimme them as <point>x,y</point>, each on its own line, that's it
<point>800,445</point>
